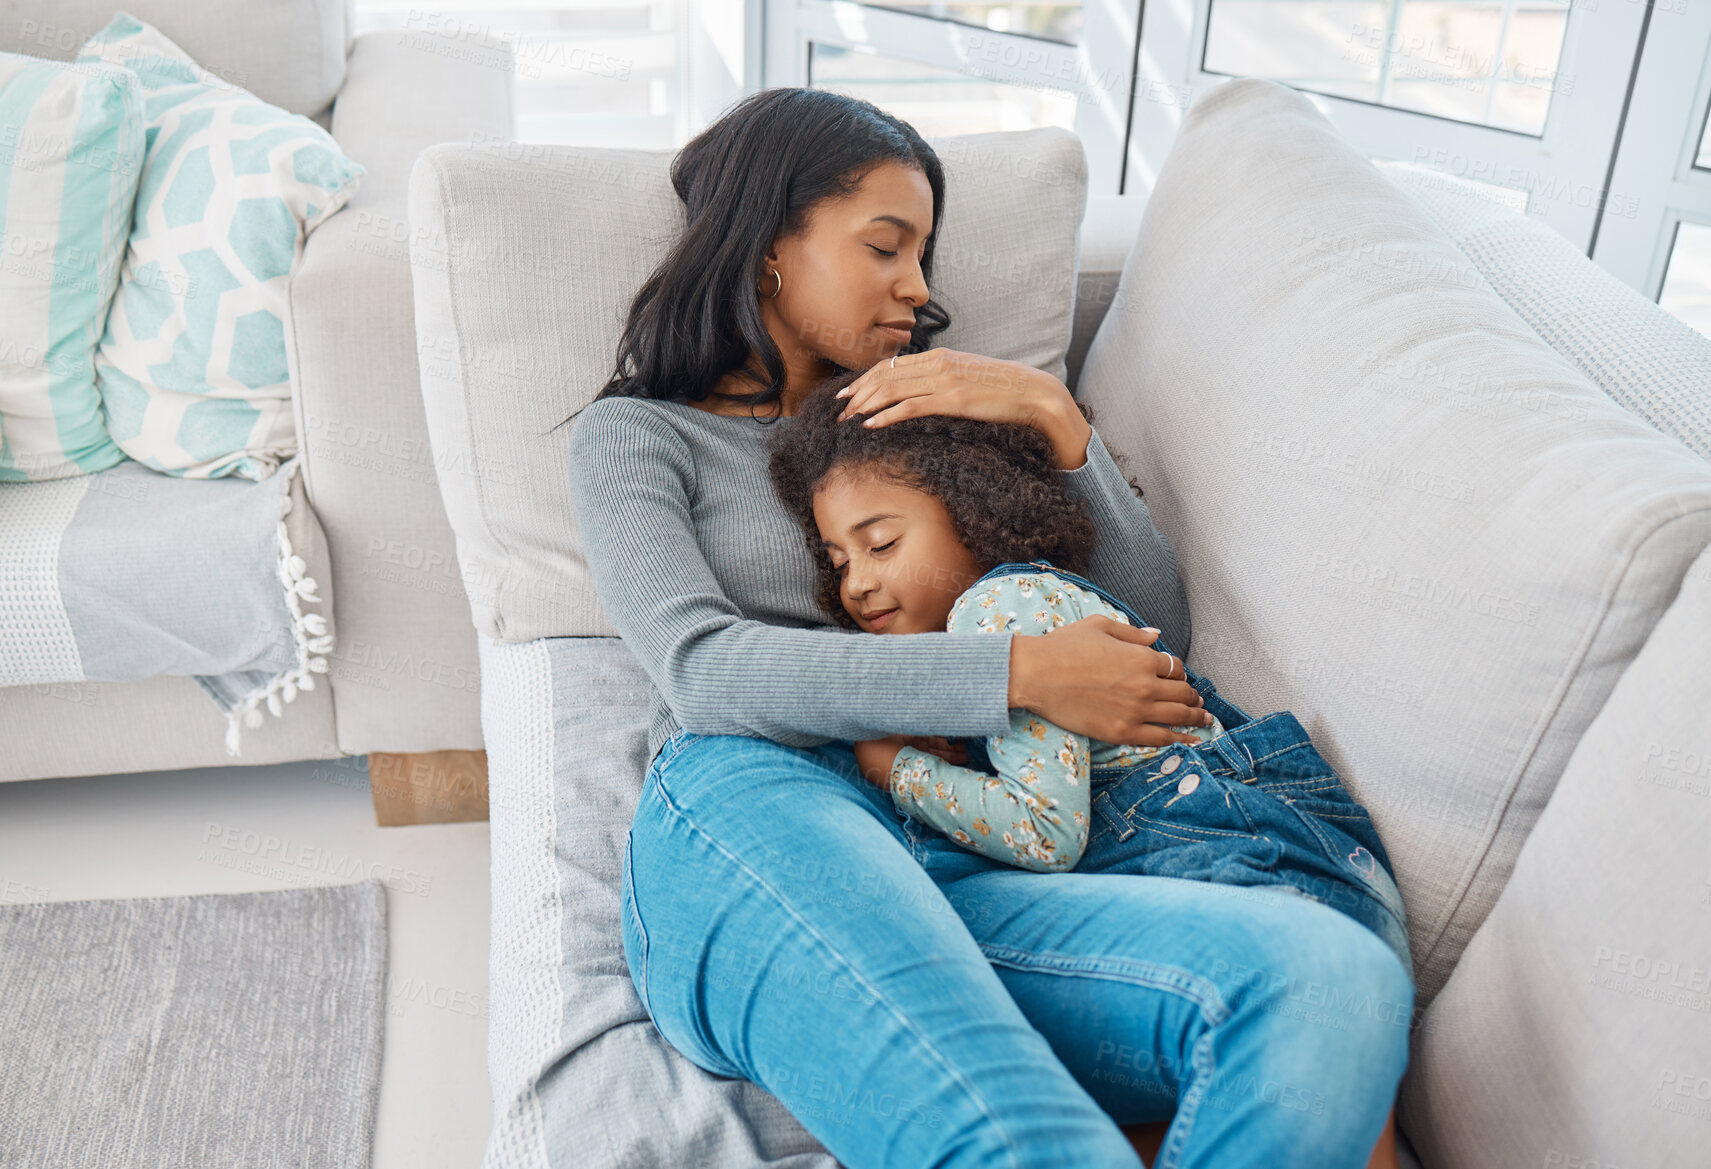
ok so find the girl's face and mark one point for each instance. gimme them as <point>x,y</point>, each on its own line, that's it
<point>902,565</point>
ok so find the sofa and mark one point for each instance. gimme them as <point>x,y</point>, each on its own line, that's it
<point>1432,481</point>
<point>403,675</point>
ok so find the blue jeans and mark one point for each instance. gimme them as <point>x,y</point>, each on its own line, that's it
<point>914,1003</point>
<point>1255,806</point>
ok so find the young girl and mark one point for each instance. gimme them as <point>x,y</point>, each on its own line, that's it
<point>944,523</point>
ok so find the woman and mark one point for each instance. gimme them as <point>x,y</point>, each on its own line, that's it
<point>910,1002</point>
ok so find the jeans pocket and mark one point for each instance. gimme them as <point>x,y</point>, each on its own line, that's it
<point>1188,802</point>
<point>1190,824</point>
<point>635,935</point>
<point>1108,820</point>
<point>1345,830</point>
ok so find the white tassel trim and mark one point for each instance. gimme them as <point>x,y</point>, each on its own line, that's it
<point>308,633</point>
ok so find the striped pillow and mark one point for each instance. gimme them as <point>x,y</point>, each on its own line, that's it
<point>192,367</point>
<point>71,151</point>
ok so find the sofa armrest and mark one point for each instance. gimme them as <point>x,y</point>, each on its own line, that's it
<point>404,673</point>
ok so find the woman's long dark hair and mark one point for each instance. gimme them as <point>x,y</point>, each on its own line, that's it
<point>997,482</point>
<point>754,174</point>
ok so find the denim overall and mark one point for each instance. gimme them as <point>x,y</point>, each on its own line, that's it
<point>1256,806</point>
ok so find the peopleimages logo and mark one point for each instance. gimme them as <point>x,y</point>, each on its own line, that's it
<point>281,857</point>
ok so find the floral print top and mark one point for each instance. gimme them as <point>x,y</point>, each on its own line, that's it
<point>1035,812</point>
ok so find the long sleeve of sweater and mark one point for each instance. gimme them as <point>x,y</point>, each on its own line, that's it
<point>633,479</point>
<point>1133,558</point>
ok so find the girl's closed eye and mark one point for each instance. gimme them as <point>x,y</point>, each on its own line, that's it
<point>841,565</point>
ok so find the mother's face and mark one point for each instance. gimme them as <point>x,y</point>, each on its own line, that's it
<point>854,269</point>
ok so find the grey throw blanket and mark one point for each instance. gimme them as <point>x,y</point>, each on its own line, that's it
<point>129,573</point>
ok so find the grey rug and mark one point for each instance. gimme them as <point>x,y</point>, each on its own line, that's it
<point>234,1029</point>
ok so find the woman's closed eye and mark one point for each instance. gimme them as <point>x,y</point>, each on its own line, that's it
<point>886,545</point>
<point>882,251</point>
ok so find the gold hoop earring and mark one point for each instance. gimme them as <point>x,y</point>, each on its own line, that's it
<point>776,275</point>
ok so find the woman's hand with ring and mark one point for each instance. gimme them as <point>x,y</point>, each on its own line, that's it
<point>967,385</point>
<point>1101,678</point>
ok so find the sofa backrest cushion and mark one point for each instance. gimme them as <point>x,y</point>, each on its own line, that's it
<point>1397,512</point>
<point>525,260</point>
<point>289,53</point>
<point>1595,946</point>
<point>1648,360</point>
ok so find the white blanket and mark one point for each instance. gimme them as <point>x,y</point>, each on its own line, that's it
<point>129,574</point>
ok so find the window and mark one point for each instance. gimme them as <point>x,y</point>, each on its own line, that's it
<point>937,102</point>
<point>1051,20</point>
<point>958,68</point>
<point>1687,280</point>
<point>585,72</point>
<point>1488,62</point>
<point>1654,234</point>
<point>1521,94</point>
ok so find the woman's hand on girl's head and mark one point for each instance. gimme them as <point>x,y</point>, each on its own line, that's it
<point>967,385</point>
<point>1101,678</point>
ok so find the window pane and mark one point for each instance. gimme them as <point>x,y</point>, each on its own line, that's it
<point>585,72</point>
<point>1687,281</point>
<point>937,101</point>
<point>1051,20</point>
<point>1704,158</point>
<point>1480,61</point>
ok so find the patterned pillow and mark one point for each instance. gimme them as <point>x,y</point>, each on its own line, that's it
<point>192,368</point>
<point>71,149</point>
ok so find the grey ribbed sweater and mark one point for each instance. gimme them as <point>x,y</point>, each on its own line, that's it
<point>710,584</point>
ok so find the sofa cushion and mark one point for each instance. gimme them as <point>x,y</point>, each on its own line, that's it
<point>1649,361</point>
<point>193,365</point>
<point>1397,512</point>
<point>71,149</point>
<point>287,52</point>
<point>577,1067</point>
<point>525,259</point>
<point>1578,1017</point>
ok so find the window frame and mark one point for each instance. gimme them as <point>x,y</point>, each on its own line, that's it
<point>1665,124</point>
<point>1098,72</point>
<point>1564,169</point>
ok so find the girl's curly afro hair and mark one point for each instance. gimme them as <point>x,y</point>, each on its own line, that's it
<point>997,481</point>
